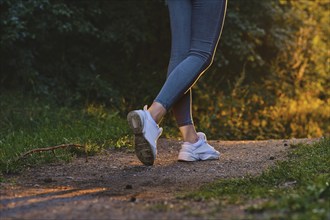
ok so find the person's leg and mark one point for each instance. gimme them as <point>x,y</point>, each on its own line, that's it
<point>180,19</point>
<point>180,22</point>
<point>207,20</point>
<point>144,123</point>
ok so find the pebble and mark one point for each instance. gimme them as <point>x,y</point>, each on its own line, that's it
<point>128,186</point>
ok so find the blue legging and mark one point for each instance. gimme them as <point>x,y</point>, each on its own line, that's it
<point>196,27</point>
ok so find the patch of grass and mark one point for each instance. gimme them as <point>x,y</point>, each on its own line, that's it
<point>298,188</point>
<point>27,123</point>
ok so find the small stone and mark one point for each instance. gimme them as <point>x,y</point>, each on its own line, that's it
<point>128,186</point>
<point>49,180</point>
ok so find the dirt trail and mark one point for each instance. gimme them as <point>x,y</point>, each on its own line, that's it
<point>115,185</point>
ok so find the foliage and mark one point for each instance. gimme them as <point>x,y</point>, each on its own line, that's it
<point>270,77</point>
<point>284,95</point>
<point>75,51</point>
<point>294,189</point>
<point>29,123</point>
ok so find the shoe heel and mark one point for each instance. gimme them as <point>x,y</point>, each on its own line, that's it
<point>135,122</point>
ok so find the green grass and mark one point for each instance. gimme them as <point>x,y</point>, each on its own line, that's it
<point>298,188</point>
<point>27,123</point>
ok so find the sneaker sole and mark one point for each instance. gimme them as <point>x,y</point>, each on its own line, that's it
<point>210,157</point>
<point>143,150</point>
<point>186,157</point>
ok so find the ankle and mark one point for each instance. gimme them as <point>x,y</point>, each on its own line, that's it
<point>156,116</point>
<point>191,139</point>
<point>190,136</point>
<point>157,112</point>
<point>189,133</point>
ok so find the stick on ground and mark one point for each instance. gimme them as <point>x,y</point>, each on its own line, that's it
<point>51,149</point>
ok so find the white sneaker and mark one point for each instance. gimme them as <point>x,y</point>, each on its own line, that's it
<point>200,150</point>
<point>146,133</point>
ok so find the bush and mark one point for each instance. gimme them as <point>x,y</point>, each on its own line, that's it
<point>272,57</point>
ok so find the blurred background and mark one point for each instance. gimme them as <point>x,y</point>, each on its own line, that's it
<point>270,77</point>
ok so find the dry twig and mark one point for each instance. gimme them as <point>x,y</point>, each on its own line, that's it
<point>52,149</point>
